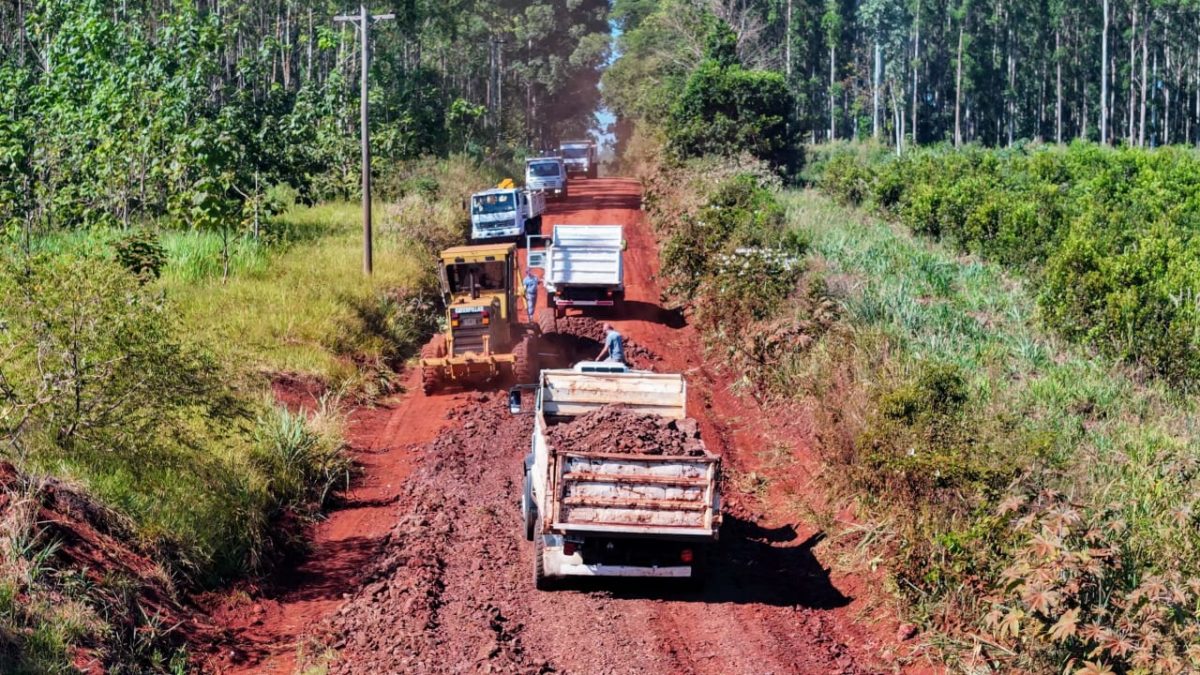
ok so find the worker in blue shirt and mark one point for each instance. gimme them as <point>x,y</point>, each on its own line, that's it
<point>614,347</point>
<point>531,285</point>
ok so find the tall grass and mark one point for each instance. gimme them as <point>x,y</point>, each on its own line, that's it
<point>1040,417</point>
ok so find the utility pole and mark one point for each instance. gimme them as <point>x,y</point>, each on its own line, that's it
<point>498,81</point>
<point>363,21</point>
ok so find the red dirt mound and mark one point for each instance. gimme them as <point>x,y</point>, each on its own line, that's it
<point>121,582</point>
<point>580,338</point>
<point>618,430</point>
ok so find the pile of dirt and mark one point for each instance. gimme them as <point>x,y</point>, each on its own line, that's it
<point>94,557</point>
<point>617,429</point>
<point>427,604</point>
<point>580,338</point>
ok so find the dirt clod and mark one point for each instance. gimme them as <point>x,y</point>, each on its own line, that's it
<point>619,430</point>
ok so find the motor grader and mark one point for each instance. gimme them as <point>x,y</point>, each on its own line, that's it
<point>483,339</point>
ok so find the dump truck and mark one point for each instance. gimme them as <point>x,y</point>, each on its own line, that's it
<point>598,513</point>
<point>548,175</point>
<point>506,211</point>
<point>483,339</point>
<point>580,158</point>
<point>584,267</point>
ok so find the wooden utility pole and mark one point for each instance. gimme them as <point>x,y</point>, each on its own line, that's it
<point>363,21</point>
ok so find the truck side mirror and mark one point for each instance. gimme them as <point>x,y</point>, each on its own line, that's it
<point>514,401</point>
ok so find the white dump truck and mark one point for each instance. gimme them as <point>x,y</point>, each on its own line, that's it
<point>506,211</point>
<point>580,158</point>
<point>599,513</point>
<point>584,266</point>
<point>547,174</point>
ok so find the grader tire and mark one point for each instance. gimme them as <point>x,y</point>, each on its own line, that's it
<point>525,361</point>
<point>431,377</point>
<point>546,321</point>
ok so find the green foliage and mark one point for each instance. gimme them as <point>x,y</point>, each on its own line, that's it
<point>1016,484</point>
<point>726,109</point>
<point>1106,235</point>
<point>141,253</point>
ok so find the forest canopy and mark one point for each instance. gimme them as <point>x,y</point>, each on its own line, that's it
<point>112,112</point>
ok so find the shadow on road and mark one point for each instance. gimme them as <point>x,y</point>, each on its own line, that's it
<point>622,200</point>
<point>751,565</point>
<point>649,312</point>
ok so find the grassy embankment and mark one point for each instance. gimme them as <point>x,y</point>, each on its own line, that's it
<point>1008,478</point>
<point>173,425</point>
<point>1031,499</point>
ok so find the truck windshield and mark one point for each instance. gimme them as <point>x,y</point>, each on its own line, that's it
<point>544,169</point>
<point>575,153</point>
<point>493,203</point>
<point>487,276</point>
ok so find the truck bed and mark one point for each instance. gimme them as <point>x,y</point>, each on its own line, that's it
<point>628,495</point>
<point>585,255</point>
<point>635,494</point>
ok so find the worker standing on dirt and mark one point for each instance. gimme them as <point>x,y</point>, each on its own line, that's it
<point>531,285</point>
<point>614,346</point>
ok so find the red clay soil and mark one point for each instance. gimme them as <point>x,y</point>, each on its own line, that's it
<point>618,430</point>
<point>426,570</point>
<point>96,546</point>
<point>267,626</point>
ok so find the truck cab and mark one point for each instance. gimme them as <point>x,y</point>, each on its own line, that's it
<point>506,212</point>
<point>547,174</point>
<point>580,158</point>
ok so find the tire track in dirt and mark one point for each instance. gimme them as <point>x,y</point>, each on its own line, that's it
<point>454,591</point>
<point>266,626</point>
<point>426,569</point>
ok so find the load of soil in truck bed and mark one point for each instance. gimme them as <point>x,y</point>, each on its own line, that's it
<point>617,429</point>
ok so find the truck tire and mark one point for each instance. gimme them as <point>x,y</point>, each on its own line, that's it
<point>525,367</point>
<point>592,172</point>
<point>528,508</point>
<point>534,226</point>
<point>540,580</point>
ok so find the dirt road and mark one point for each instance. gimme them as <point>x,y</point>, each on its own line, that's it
<point>437,577</point>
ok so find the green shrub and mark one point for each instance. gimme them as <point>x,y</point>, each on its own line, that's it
<point>726,109</point>
<point>1108,234</point>
<point>141,253</point>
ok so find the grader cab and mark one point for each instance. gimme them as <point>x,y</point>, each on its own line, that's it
<point>483,340</point>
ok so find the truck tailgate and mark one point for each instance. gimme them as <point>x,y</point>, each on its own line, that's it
<point>635,494</point>
<point>583,266</point>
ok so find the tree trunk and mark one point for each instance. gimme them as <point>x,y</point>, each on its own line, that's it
<point>1104,78</point>
<point>875,91</point>
<point>1058,90</point>
<point>958,138</point>
<point>832,96</point>
<point>787,43</point>
<point>915,68</point>
<point>1142,112</point>
<point>1132,63</point>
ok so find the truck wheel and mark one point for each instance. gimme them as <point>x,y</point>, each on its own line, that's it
<point>430,381</point>
<point>431,376</point>
<point>528,509</point>
<point>534,226</point>
<point>525,361</point>
<point>540,580</point>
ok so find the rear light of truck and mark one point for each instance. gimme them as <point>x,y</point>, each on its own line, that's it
<point>568,548</point>
<point>686,556</point>
<point>487,317</point>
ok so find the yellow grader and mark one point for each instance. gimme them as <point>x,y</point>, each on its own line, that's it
<point>483,339</point>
